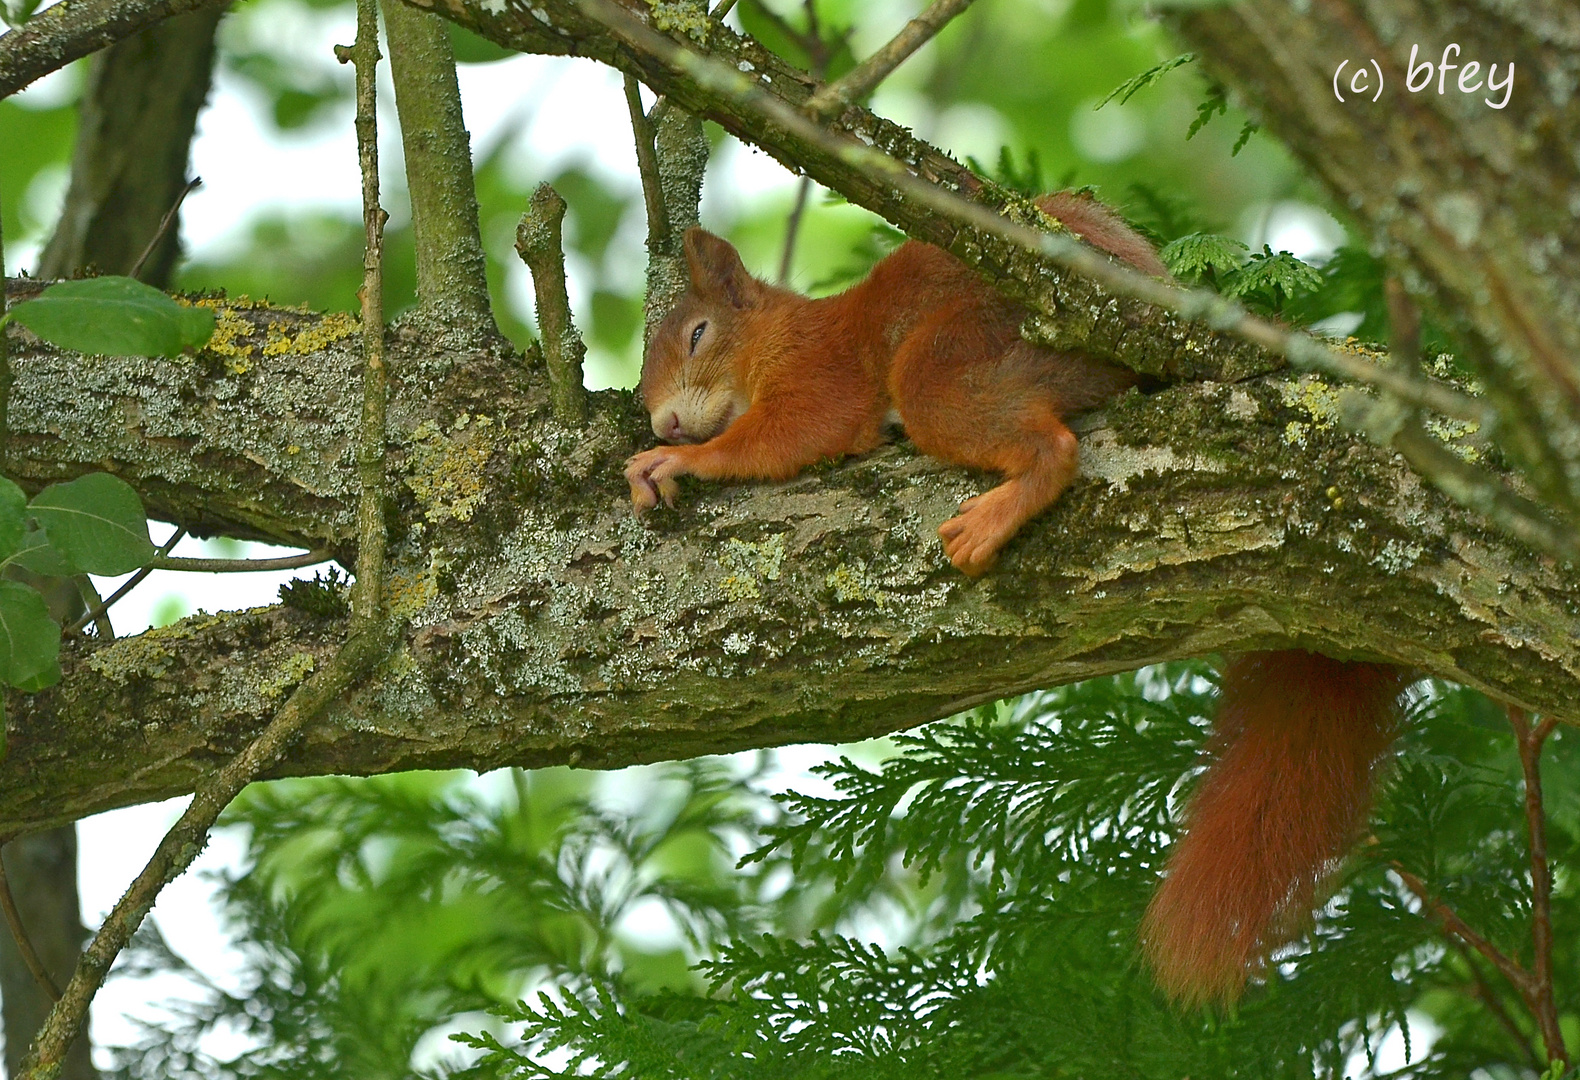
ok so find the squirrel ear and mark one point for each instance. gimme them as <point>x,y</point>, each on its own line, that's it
<point>717,271</point>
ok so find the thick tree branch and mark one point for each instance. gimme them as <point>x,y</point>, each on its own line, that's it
<point>1470,191</point>
<point>549,625</point>
<point>76,28</point>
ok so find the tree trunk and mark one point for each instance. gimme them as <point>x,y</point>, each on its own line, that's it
<point>42,870</point>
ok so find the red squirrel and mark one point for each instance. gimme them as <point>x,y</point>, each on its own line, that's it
<point>748,381</point>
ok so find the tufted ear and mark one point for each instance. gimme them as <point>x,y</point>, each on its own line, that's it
<point>717,272</point>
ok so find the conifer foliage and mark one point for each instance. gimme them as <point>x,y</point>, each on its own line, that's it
<point>966,905</point>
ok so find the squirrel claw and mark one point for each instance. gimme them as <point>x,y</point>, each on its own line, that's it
<point>651,475</point>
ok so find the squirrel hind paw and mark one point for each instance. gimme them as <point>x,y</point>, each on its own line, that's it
<point>968,546</point>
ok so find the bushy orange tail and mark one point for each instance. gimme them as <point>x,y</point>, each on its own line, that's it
<point>1298,738</point>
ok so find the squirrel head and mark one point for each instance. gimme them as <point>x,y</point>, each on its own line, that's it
<point>692,375</point>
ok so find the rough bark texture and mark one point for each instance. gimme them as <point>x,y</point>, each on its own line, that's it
<point>1480,202</point>
<point>43,872</point>
<point>450,263</point>
<point>134,131</point>
<point>65,32</point>
<point>550,626</point>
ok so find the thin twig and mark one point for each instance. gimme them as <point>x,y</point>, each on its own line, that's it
<point>24,944</point>
<point>538,242</point>
<point>164,225</point>
<point>658,232</point>
<point>91,601</point>
<point>367,594</point>
<point>861,80</point>
<point>722,10</point>
<point>793,228</point>
<point>1518,977</point>
<point>241,566</point>
<point>186,838</point>
<point>1481,991</point>
<point>1529,741</point>
<point>1463,482</point>
<point>131,583</point>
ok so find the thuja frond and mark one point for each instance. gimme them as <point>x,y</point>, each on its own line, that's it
<point>1069,771</point>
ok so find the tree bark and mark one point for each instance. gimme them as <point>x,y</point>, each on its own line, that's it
<point>549,626</point>
<point>1479,201</point>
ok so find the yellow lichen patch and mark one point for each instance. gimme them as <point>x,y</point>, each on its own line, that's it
<point>276,339</point>
<point>1315,397</point>
<point>406,594</point>
<point>146,655</point>
<point>296,668</point>
<point>748,562</point>
<point>316,335</point>
<point>690,19</point>
<point>740,587</point>
<point>228,341</point>
<point>1453,433</point>
<point>851,584</point>
<point>447,469</point>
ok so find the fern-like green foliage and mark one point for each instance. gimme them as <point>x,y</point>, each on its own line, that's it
<point>1271,278</point>
<point>1027,179</point>
<point>1203,258</point>
<point>963,905</point>
<point>1136,83</point>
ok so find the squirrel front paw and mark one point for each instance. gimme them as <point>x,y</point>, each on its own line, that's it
<point>651,475</point>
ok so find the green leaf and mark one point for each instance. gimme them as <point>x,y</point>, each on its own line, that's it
<point>114,316</point>
<point>35,554</point>
<point>1202,255</point>
<point>1246,132</point>
<point>1130,87</point>
<point>96,521</point>
<point>1216,104</point>
<point>29,638</point>
<point>13,516</point>
<point>1272,274</point>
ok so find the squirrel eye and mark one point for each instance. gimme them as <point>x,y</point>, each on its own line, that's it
<point>696,335</point>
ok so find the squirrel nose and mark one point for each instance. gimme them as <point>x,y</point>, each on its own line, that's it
<point>669,429</point>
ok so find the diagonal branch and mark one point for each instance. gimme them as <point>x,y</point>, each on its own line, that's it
<point>1457,927</point>
<point>1529,739</point>
<point>76,28</point>
<point>24,944</point>
<point>861,80</point>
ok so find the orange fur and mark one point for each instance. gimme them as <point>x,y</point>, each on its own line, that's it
<point>1297,742</point>
<point>758,382</point>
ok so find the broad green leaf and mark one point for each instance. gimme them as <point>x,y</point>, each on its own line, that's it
<point>114,316</point>
<point>13,516</point>
<point>97,522</point>
<point>29,638</point>
<point>34,553</point>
